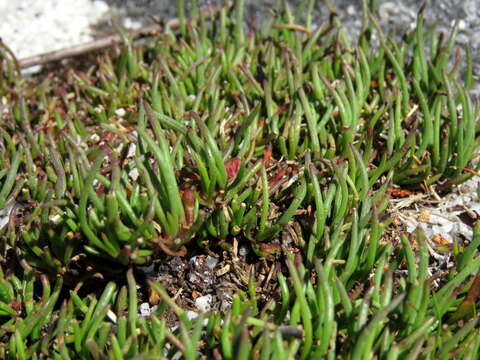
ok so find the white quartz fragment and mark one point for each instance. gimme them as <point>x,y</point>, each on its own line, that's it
<point>204,303</point>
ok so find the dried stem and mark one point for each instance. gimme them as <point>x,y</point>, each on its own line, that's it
<point>105,42</point>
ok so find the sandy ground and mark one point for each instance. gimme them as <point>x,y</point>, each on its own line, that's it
<point>34,26</point>
<point>31,27</point>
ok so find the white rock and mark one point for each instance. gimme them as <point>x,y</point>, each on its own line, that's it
<point>145,309</point>
<point>191,315</point>
<point>243,251</point>
<point>131,150</point>
<point>120,112</point>
<point>55,219</point>
<point>192,278</point>
<point>211,262</point>
<point>204,303</point>
<point>131,24</point>
<point>133,174</point>
<point>448,225</point>
<point>31,27</point>
<point>5,215</point>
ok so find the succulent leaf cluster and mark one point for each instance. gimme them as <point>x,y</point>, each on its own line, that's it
<point>283,137</point>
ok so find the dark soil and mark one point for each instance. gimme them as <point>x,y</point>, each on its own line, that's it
<point>212,276</point>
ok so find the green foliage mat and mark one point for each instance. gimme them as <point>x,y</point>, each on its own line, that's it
<point>286,138</point>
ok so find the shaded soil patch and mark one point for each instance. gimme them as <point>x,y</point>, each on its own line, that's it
<point>207,279</point>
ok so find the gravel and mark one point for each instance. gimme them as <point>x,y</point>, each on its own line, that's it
<point>444,220</point>
<point>204,303</point>
<point>34,26</point>
<point>31,27</point>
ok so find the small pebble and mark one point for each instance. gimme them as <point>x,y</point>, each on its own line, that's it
<point>145,309</point>
<point>243,251</point>
<point>5,215</point>
<point>133,174</point>
<point>191,315</point>
<point>204,303</point>
<point>192,278</point>
<point>131,150</point>
<point>211,262</point>
<point>120,112</point>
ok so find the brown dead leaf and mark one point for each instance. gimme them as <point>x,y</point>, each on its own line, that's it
<point>440,240</point>
<point>400,193</point>
<point>232,166</point>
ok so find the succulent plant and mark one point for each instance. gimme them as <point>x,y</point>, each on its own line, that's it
<point>286,137</point>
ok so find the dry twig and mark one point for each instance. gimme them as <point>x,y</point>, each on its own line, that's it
<point>105,42</point>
